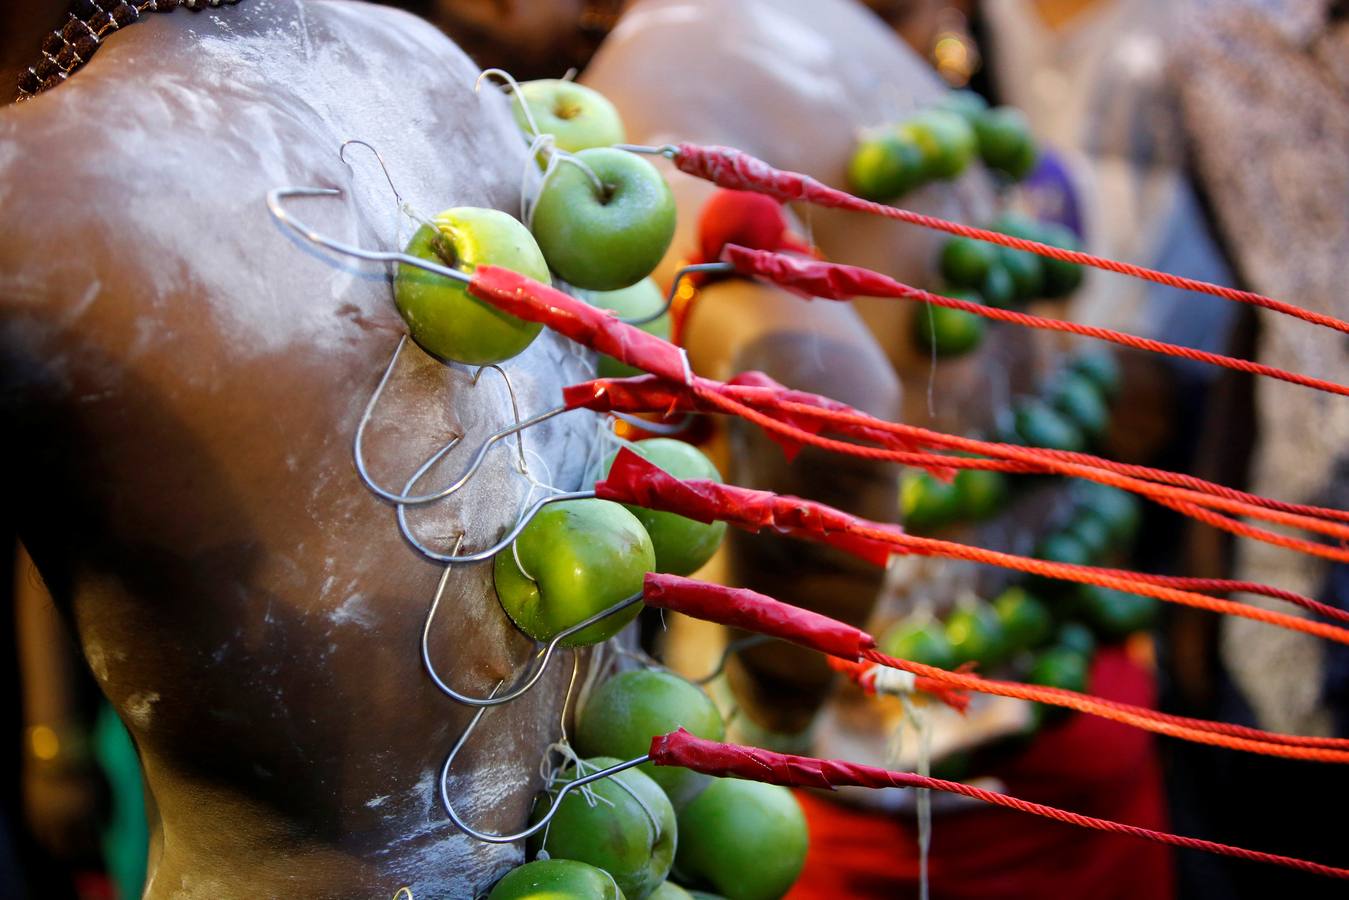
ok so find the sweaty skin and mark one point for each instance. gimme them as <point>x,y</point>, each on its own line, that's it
<point>794,82</point>
<point>180,380</point>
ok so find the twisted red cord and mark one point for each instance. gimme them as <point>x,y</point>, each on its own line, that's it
<point>878,285</point>
<point>1153,491</point>
<point>737,170</point>
<point>715,758</point>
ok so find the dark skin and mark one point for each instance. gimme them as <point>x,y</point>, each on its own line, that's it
<point>183,379</point>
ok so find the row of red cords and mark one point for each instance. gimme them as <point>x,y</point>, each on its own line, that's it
<point>734,169</point>
<point>779,269</point>
<point>715,758</point>
<point>1185,500</point>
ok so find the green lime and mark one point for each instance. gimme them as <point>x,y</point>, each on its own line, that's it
<point>1101,368</point>
<point>1025,620</point>
<point>926,502</point>
<point>946,331</point>
<point>1078,398</point>
<point>998,289</point>
<point>1005,141</point>
<point>1114,614</point>
<point>965,262</point>
<point>981,492</point>
<point>966,103</point>
<point>948,141</point>
<point>976,635</point>
<point>1026,270</point>
<point>1061,278</point>
<point>1076,636</point>
<point>886,165</point>
<point>1059,667</point>
<point>924,643</point>
<point>1040,426</point>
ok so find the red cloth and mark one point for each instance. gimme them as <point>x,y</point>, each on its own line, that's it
<point>1086,764</point>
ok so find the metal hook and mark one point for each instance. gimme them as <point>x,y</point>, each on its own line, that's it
<point>489,837</point>
<point>674,289</point>
<point>342,154</point>
<point>515,411</point>
<point>543,659</point>
<point>730,650</point>
<point>661,428</point>
<point>509,79</point>
<point>500,545</point>
<point>669,151</point>
<point>288,219</point>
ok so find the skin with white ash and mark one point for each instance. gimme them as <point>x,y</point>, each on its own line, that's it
<point>184,377</point>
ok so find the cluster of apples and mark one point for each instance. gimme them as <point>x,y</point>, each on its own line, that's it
<point>1071,412</point>
<point>940,143</point>
<point>743,839</point>
<point>997,276</point>
<point>602,221</point>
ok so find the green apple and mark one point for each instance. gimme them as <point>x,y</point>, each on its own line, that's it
<point>923,642</point>
<point>981,492</point>
<point>628,830</point>
<point>1079,400</point>
<point>744,839</point>
<point>631,708</point>
<point>965,103</point>
<point>668,890</point>
<point>885,165</point>
<point>1005,141</point>
<point>998,289</point>
<point>636,301</point>
<point>948,141</point>
<point>1025,620</point>
<point>579,557</point>
<point>576,116</point>
<point>926,502</point>
<point>682,545</point>
<point>1061,278</point>
<point>976,634</point>
<point>1115,615</point>
<point>1101,367</point>
<point>965,262</point>
<point>947,331</point>
<point>606,238</point>
<point>704,895</point>
<point>441,316</point>
<point>556,879</point>
<point>1037,425</point>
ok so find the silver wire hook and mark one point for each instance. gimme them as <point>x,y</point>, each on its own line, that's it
<point>543,658</point>
<point>509,79</point>
<point>288,219</point>
<point>661,428</point>
<point>496,548</point>
<point>515,411</point>
<point>730,650</point>
<point>669,151</point>
<point>670,295</point>
<point>489,837</point>
<point>342,155</point>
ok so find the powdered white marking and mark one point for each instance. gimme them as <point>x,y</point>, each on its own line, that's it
<point>140,707</point>
<point>353,611</point>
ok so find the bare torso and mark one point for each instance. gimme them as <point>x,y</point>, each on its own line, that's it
<point>181,379</point>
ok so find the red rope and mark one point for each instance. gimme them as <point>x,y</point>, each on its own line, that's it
<point>737,170</point>
<point>715,758</point>
<point>780,269</point>
<point>1153,491</point>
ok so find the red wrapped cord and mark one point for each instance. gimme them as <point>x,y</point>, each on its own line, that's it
<point>633,479</point>
<point>680,748</point>
<point>834,281</point>
<point>734,169</point>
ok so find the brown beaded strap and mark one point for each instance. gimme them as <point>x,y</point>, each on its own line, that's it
<point>72,45</point>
